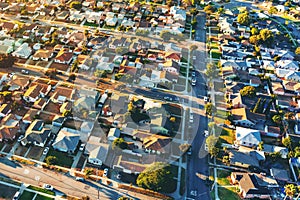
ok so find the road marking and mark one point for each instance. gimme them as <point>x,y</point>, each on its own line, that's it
<point>26,171</point>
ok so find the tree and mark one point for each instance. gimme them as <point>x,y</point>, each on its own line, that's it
<point>193,11</point>
<point>261,146</point>
<point>156,177</point>
<point>226,160</point>
<point>287,142</point>
<point>254,31</point>
<point>141,32</point>
<point>257,106</point>
<point>88,172</point>
<point>211,142</point>
<point>119,143</point>
<point>266,36</point>
<point>209,9</point>
<point>100,73</point>
<point>184,147</point>
<point>165,35</point>
<point>275,155</point>
<point>297,51</point>
<point>221,10</point>
<point>72,77</point>
<point>209,108</point>
<point>277,119</point>
<point>254,39</point>
<point>244,18</point>
<point>212,71</point>
<point>248,91</point>
<point>290,190</point>
<point>76,5</point>
<point>124,198</point>
<point>50,160</point>
<point>66,113</point>
<point>172,119</point>
<point>272,10</point>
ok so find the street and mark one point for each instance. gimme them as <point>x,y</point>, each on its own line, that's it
<point>62,184</point>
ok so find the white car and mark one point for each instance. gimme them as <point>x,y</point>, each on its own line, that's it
<point>206,133</point>
<point>194,81</point>
<point>81,147</point>
<point>105,172</point>
<point>46,151</point>
<point>23,71</point>
<point>191,118</point>
<point>20,138</point>
<point>48,187</point>
<point>194,193</point>
<point>17,196</point>
<point>80,179</point>
<point>118,176</point>
<point>205,99</point>
<point>205,147</point>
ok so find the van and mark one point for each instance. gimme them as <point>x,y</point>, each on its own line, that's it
<point>17,195</point>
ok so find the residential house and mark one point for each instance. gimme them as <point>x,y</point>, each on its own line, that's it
<point>36,134</point>
<point>42,54</point>
<point>10,120</point>
<point>287,64</point>
<point>293,76</point>
<point>172,56</point>
<point>62,15</point>
<point>246,158</point>
<point>24,51</point>
<point>5,49</point>
<point>18,83</point>
<point>157,144</point>
<point>98,156</point>
<point>247,137</point>
<point>64,57</point>
<point>30,116</point>
<point>113,134</point>
<point>4,110</point>
<point>254,186</point>
<point>273,149</point>
<point>280,174</point>
<point>67,140</point>
<point>62,94</point>
<point>8,26</point>
<point>244,117</point>
<point>35,91</point>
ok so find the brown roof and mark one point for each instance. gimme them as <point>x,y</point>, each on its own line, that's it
<point>8,25</point>
<point>173,56</point>
<point>39,103</point>
<point>42,53</point>
<point>157,143</point>
<point>62,91</point>
<point>64,56</point>
<point>8,133</point>
<point>30,115</point>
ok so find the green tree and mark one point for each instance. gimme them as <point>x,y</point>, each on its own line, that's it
<point>254,39</point>
<point>257,106</point>
<point>261,146</point>
<point>290,190</point>
<point>209,9</point>
<point>141,32</point>
<point>277,119</point>
<point>193,48</point>
<point>272,10</point>
<point>165,35</point>
<point>212,71</point>
<point>248,91</point>
<point>119,143</point>
<point>266,36</point>
<point>211,143</point>
<point>88,172</point>
<point>76,5</point>
<point>297,51</point>
<point>193,11</point>
<point>100,73</point>
<point>72,77</point>
<point>244,18</point>
<point>156,177</point>
<point>226,160</point>
<point>254,31</point>
<point>275,155</point>
<point>287,142</point>
<point>124,198</point>
<point>209,108</point>
<point>221,10</point>
<point>50,160</point>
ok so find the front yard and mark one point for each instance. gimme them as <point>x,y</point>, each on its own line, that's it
<point>226,135</point>
<point>63,159</point>
<point>7,192</point>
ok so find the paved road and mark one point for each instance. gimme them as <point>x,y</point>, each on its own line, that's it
<point>198,161</point>
<point>62,184</point>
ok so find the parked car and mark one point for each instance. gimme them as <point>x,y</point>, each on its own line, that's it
<point>20,138</point>
<point>189,152</point>
<point>118,176</point>
<point>81,148</point>
<point>105,172</point>
<point>17,195</point>
<point>206,133</point>
<point>23,71</point>
<point>191,118</point>
<point>193,74</point>
<point>48,187</point>
<point>205,147</point>
<point>80,179</point>
<point>194,81</point>
<point>206,99</point>
<point>46,151</point>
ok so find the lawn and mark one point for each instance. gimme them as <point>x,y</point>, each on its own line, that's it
<point>216,54</point>
<point>226,136</point>
<point>27,195</point>
<point>41,190</point>
<point>223,177</point>
<point>214,45</point>
<point>63,159</point>
<point>91,24</point>
<point>40,197</point>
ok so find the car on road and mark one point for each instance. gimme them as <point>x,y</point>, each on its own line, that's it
<point>118,176</point>
<point>80,179</point>
<point>193,193</point>
<point>23,71</point>
<point>206,133</point>
<point>46,151</point>
<point>189,152</point>
<point>17,196</point>
<point>20,138</point>
<point>105,172</point>
<point>48,187</point>
<point>191,118</point>
<point>194,57</point>
<point>194,81</point>
<point>193,74</point>
<point>81,148</point>
<point>205,147</point>
<point>206,99</point>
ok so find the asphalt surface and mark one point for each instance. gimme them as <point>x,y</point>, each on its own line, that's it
<point>198,160</point>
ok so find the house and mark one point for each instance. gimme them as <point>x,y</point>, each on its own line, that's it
<point>113,134</point>
<point>244,117</point>
<point>64,57</point>
<point>157,144</point>
<point>273,149</point>
<point>254,186</point>
<point>172,56</point>
<point>23,51</point>
<point>111,21</point>
<point>4,110</point>
<point>280,174</point>
<point>99,154</point>
<point>62,15</point>
<point>35,91</point>
<point>8,26</point>
<point>246,157</point>
<point>66,140</point>
<point>287,64</point>
<point>10,120</point>
<point>36,134</point>
<point>8,133</point>
<point>42,54</point>
<point>58,121</point>
<point>293,76</point>
<point>30,116</point>
<point>62,94</point>
<point>247,137</point>
<point>5,49</point>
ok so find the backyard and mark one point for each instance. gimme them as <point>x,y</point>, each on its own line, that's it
<point>63,159</point>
